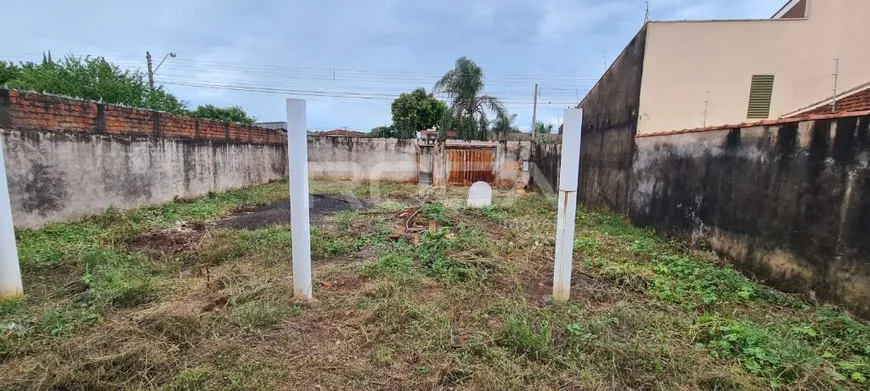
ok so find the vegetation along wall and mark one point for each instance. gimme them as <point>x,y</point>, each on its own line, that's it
<point>68,158</point>
<point>788,202</point>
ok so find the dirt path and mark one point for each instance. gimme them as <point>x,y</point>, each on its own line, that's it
<point>321,205</point>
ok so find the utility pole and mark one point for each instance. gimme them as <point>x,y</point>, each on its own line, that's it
<point>535,110</point>
<point>150,72</point>
<point>836,80</point>
<point>604,60</point>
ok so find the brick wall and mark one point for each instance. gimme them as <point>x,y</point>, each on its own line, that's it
<point>28,111</point>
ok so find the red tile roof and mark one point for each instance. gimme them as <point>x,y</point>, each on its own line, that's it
<point>767,122</point>
<point>342,132</point>
<point>847,102</point>
<point>451,134</point>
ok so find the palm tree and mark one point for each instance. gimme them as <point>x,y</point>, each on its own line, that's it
<point>504,123</point>
<point>540,128</point>
<point>463,85</point>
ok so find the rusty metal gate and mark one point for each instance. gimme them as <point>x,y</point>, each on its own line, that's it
<point>470,165</point>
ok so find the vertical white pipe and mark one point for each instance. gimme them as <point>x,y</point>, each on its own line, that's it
<point>568,180</point>
<point>10,273</point>
<point>297,150</point>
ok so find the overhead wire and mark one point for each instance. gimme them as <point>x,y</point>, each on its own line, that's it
<point>350,84</point>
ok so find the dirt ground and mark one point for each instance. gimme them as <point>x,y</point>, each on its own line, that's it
<point>320,206</point>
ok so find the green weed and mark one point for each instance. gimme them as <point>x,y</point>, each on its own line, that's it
<point>395,265</point>
<point>497,214</point>
<point>189,379</point>
<point>759,351</point>
<point>435,211</point>
<point>586,244</point>
<point>528,337</point>
<point>433,253</point>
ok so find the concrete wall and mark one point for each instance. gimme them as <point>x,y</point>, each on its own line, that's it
<point>788,203</point>
<point>62,176</point>
<point>546,159</point>
<point>684,60</point>
<point>68,158</point>
<point>508,160</point>
<point>423,161</point>
<point>609,125</point>
<point>363,158</point>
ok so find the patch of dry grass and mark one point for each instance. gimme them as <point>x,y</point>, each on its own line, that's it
<point>409,296</point>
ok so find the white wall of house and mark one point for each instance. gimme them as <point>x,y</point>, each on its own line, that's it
<point>685,60</point>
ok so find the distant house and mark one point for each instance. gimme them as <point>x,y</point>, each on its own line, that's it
<point>849,101</point>
<point>342,132</point>
<point>686,74</point>
<point>272,125</point>
<point>432,134</point>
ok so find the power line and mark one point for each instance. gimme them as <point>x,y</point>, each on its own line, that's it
<point>400,74</point>
<point>350,84</point>
<point>313,93</point>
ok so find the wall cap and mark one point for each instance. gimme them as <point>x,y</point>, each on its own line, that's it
<point>768,122</point>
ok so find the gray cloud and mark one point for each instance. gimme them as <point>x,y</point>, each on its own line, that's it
<point>407,42</point>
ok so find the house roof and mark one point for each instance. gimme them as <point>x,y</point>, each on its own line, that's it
<point>857,99</point>
<point>798,6</point>
<point>272,125</point>
<point>342,132</point>
<point>766,122</point>
<point>434,133</point>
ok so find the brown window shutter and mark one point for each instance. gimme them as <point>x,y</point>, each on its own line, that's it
<point>760,94</point>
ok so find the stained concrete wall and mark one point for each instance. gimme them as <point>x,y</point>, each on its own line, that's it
<point>363,158</point>
<point>545,170</point>
<point>788,203</point>
<point>417,161</point>
<point>508,160</point>
<point>62,176</point>
<point>609,126</point>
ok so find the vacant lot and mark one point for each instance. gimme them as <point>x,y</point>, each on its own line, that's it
<point>413,292</point>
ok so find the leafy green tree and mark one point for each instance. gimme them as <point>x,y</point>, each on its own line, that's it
<point>504,124</point>
<point>91,78</point>
<point>416,111</point>
<point>383,131</point>
<point>232,114</point>
<point>8,72</point>
<point>464,86</point>
<point>445,124</point>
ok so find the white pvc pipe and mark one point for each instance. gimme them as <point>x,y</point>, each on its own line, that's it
<point>568,180</point>
<point>10,272</point>
<point>297,151</point>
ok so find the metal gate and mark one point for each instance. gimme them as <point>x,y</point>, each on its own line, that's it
<point>470,165</point>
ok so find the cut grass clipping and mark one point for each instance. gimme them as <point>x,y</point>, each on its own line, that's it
<point>451,304</point>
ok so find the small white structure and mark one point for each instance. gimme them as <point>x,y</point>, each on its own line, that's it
<point>479,195</point>
<point>297,149</point>
<point>10,272</point>
<point>568,181</point>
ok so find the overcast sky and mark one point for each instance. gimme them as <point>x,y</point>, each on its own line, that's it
<point>351,58</point>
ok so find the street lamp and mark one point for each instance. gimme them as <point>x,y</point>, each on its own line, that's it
<point>150,71</point>
<point>170,54</point>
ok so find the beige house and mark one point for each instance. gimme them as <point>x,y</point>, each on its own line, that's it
<point>689,74</point>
